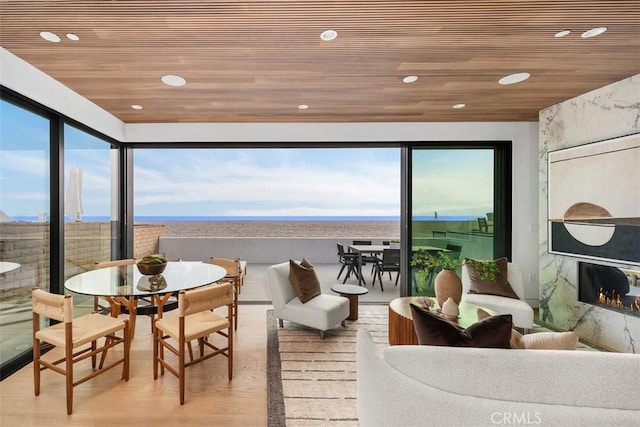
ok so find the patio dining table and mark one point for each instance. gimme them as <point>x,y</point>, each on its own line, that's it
<point>378,249</point>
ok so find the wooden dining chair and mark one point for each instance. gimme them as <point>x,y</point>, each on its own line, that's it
<point>98,305</point>
<point>233,276</point>
<point>77,337</point>
<point>195,321</point>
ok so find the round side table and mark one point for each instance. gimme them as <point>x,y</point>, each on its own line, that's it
<point>350,292</point>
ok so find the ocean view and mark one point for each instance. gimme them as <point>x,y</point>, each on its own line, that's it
<point>146,218</point>
<point>372,227</point>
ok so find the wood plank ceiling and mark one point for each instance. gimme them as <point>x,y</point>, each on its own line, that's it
<point>256,61</point>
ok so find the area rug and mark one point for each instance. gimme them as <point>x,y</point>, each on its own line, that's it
<point>312,381</point>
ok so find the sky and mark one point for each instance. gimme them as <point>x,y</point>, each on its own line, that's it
<point>240,182</point>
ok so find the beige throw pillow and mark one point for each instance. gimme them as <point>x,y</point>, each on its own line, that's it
<point>304,280</point>
<point>500,286</point>
<point>550,341</point>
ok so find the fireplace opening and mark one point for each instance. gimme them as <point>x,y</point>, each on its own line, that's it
<point>609,287</point>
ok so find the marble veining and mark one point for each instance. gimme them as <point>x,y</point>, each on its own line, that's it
<point>609,112</point>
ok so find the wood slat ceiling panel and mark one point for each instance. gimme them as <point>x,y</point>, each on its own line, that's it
<point>255,61</point>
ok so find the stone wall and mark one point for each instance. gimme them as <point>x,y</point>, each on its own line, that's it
<point>146,239</point>
<point>28,244</point>
<point>606,113</point>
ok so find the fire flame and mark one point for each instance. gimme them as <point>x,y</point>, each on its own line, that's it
<point>614,300</point>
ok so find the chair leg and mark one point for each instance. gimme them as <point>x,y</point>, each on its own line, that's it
<point>235,307</point>
<point>341,270</point>
<point>281,323</point>
<point>69,377</point>
<point>155,351</point>
<point>181,360</point>
<point>230,352</point>
<point>397,277</point>
<point>321,335</point>
<point>127,350</point>
<point>36,366</point>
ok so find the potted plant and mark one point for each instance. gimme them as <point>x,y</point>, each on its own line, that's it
<point>447,283</point>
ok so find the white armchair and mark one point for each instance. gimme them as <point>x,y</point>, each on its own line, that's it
<point>323,312</point>
<point>520,310</point>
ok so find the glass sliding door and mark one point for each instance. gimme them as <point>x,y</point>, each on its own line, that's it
<point>90,205</point>
<point>458,198</point>
<point>24,223</point>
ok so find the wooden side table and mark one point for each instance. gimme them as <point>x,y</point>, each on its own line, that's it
<point>350,292</point>
<point>401,331</point>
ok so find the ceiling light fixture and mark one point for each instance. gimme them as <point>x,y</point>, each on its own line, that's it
<point>562,33</point>
<point>593,32</point>
<point>303,107</point>
<point>410,79</point>
<point>457,106</point>
<point>328,35</point>
<point>49,36</point>
<point>72,36</point>
<point>136,107</point>
<point>514,78</point>
<point>173,80</point>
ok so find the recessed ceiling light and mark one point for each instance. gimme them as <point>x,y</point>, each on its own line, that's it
<point>303,107</point>
<point>459,106</point>
<point>593,32</point>
<point>173,80</point>
<point>329,35</point>
<point>136,107</point>
<point>49,36</point>
<point>514,78</point>
<point>410,79</point>
<point>562,33</point>
<point>73,36</point>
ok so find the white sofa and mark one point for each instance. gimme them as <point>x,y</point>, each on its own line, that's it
<point>520,310</point>
<point>322,312</point>
<point>413,385</point>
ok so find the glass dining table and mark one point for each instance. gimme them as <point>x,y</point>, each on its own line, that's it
<point>123,286</point>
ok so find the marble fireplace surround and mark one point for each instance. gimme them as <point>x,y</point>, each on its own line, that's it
<point>609,287</point>
<point>605,113</point>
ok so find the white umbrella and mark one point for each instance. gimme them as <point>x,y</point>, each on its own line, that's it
<point>73,199</point>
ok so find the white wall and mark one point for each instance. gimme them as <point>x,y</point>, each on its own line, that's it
<point>23,78</point>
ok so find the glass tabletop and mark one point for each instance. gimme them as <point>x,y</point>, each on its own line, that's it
<point>128,281</point>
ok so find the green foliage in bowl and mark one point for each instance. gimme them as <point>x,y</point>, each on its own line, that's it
<point>152,264</point>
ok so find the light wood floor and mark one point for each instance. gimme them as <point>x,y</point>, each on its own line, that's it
<point>106,400</point>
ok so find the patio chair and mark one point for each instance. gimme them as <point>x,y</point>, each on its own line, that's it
<point>390,262</point>
<point>348,260</point>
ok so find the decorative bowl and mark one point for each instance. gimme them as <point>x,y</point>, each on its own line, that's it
<point>151,269</point>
